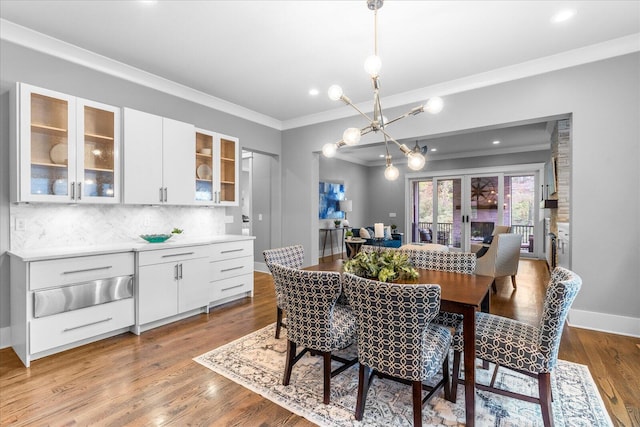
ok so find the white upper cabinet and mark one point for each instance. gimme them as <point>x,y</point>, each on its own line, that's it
<point>158,160</point>
<point>66,149</point>
<point>216,168</point>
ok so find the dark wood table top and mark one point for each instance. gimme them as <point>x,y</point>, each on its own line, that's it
<point>458,288</point>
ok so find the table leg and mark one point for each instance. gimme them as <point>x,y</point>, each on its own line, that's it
<point>331,240</point>
<point>342,243</point>
<point>469,326</point>
<point>324,241</point>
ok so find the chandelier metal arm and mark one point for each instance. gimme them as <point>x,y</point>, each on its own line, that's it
<point>348,102</point>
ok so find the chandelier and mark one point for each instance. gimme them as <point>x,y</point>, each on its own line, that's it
<point>351,136</point>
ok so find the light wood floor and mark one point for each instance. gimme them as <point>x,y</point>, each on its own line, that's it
<point>151,379</point>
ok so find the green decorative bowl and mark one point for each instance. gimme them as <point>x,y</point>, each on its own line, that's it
<point>156,238</point>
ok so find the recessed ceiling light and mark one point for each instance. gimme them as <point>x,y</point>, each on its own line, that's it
<point>381,156</point>
<point>496,142</point>
<point>434,149</point>
<point>563,15</point>
<point>314,92</point>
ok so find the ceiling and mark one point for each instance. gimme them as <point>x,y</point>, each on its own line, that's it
<point>264,56</point>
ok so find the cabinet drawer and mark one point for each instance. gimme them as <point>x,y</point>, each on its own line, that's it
<point>220,270</point>
<point>171,255</point>
<point>65,271</point>
<point>233,286</point>
<point>65,328</point>
<point>228,250</point>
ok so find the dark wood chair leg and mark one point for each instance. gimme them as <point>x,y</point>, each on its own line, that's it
<point>278,321</point>
<point>447,379</point>
<point>417,403</point>
<point>454,377</point>
<point>291,356</point>
<point>364,380</point>
<point>544,390</point>
<point>326,356</point>
<point>513,282</point>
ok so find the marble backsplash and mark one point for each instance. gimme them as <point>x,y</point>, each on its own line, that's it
<point>48,225</point>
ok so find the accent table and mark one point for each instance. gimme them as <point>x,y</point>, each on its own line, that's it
<point>329,232</point>
<point>354,245</point>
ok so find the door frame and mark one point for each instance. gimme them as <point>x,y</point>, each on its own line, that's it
<point>528,168</point>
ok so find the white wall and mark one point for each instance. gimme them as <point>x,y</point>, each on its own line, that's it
<point>604,100</point>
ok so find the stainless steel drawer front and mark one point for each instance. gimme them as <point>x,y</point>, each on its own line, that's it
<point>74,297</point>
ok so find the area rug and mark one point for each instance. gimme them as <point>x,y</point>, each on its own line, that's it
<point>256,361</point>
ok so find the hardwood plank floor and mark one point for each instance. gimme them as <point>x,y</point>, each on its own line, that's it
<point>151,380</point>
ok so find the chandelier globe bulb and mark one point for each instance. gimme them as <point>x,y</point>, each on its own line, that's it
<point>434,105</point>
<point>351,136</point>
<point>329,149</point>
<point>391,173</point>
<point>372,65</point>
<point>416,161</point>
<point>335,92</point>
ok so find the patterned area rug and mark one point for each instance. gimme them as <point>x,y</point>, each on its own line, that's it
<point>256,361</point>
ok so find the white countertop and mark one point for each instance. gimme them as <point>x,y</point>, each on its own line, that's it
<point>133,246</point>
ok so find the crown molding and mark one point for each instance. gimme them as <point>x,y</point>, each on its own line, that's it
<point>31,39</point>
<point>609,49</point>
<point>28,38</point>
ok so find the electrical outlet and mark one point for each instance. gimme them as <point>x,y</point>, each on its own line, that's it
<point>146,221</point>
<point>392,214</point>
<point>21,224</point>
<point>228,219</point>
<point>259,217</point>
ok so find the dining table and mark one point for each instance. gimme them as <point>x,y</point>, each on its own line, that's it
<point>459,293</point>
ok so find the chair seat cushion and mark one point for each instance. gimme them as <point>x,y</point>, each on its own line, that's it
<point>343,327</point>
<point>507,342</point>
<point>436,342</point>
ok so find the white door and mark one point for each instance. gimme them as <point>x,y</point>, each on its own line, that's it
<point>178,166</point>
<point>193,286</point>
<point>157,292</point>
<point>142,157</point>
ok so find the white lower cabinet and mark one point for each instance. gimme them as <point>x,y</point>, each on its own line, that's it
<point>170,282</point>
<point>230,271</point>
<point>61,303</point>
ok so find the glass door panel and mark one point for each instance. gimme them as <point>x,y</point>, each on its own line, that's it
<point>485,204</point>
<point>422,230</point>
<point>519,209</point>
<point>49,145</point>
<point>449,229</point>
<point>227,170</point>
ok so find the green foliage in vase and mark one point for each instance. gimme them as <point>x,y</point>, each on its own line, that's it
<point>176,231</point>
<point>385,266</point>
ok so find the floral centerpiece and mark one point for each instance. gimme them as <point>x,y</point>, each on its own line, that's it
<point>384,266</point>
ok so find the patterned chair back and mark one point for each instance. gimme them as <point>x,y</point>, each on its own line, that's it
<point>456,262</point>
<point>373,248</point>
<point>391,320</point>
<point>561,292</point>
<point>289,256</point>
<point>309,298</point>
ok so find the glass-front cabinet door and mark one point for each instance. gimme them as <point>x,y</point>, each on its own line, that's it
<point>228,169</point>
<point>98,153</point>
<point>67,148</point>
<point>217,171</point>
<point>204,163</point>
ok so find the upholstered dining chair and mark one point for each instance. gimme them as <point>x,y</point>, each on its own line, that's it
<point>289,256</point>
<point>396,337</point>
<point>501,259</point>
<point>456,262</point>
<point>498,229</point>
<point>314,321</point>
<point>531,350</point>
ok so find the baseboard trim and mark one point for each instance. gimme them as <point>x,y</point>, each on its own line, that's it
<point>5,337</point>
<point>261,267</point>
<point>611,323</point>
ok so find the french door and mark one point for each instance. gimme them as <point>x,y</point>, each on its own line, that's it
<point>458,211</point>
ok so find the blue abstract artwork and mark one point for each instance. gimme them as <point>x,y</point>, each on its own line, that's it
<point>330,196</point>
